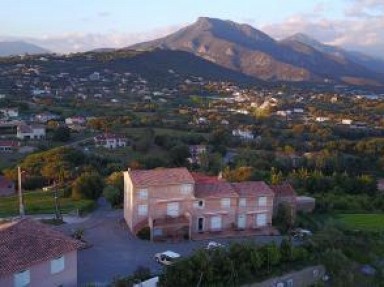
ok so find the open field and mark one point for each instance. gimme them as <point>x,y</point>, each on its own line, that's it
<point>364,222</point>
<point>39,202</point>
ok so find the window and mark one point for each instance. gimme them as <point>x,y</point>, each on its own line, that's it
<point>57,265</point>
<point>290,283</point>
<point>199,204</point>
<point>225,202</point>
<point>173,209</point>
<point>242,202</point>
<point>261,220</point>
<point>263,201</point>
<point>22,278</point>
<point>186,189</point>
<point>143,193</point>
<point>143,209</point>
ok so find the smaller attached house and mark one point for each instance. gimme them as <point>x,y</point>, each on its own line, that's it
<point>35,255</point>
<point>110,141</point>
<point>284,194</point>
<point>25,132</point>
<point>7,187</point>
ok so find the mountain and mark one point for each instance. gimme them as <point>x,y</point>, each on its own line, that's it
<point>19,48</point>
<point>244,49</point>
<point>158,66</point>
<point>369,62</point>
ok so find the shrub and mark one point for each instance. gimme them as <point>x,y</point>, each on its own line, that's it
<point>113,195</point>
<point>144,233</point>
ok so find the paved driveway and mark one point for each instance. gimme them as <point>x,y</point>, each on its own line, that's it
<point>115,251</point>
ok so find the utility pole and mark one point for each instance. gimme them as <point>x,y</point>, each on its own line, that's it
<point>57,208</point>
<point>21,204</point>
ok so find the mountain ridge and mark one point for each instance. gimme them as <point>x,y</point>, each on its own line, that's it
<point>13,48</point>
<point>242,48</point>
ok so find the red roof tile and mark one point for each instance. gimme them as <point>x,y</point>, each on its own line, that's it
<point>215,189</point>
<point>284,189</point>
<point>252,188</point>
<point>202,178</point>
<point>9,144</point>
<point>163,176</point>
<point>26,242</point>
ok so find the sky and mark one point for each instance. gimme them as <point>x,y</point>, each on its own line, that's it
<point>79,25</point>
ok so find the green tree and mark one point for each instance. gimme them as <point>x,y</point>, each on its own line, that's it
<point>113,195</point>
<point>284,217</point>
<point>61,134</point>
<point>87,185</point>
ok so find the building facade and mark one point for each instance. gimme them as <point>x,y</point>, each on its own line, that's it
<point>34,255</point>
<point>25,132</point>
<point>110,141</point>
<point>173,202</point>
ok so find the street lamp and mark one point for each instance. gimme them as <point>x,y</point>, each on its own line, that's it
<point>21,204</point>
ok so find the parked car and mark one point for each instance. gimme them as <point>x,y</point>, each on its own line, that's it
<point>300,233</point>
<point>213,244</point>
<point>167,257</point>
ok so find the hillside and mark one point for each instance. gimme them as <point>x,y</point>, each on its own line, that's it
<point>244,49</point>
<point>19,48</point>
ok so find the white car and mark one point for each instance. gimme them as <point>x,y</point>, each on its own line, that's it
<point>213,244</point>
<point>167,257</point>
<point>300,233</point>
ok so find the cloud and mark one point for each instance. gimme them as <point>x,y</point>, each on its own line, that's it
<point>78,42</point>
<point>104,14</point>
<point>362,28</point>
<point>365,8</point>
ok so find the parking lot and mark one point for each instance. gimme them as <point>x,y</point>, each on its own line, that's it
<point>116,252</point>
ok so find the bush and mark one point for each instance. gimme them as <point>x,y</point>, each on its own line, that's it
<point>144,233</point>
<point>88,186</point>
<point>113,195</point>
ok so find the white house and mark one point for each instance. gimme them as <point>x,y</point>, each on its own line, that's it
<point>322,119</point>
<point>9,112</point>
<point>30,132</point>
<point>346,122</point>
<point>243,134</point>
<point>110,141</point>
<point>76,120</point>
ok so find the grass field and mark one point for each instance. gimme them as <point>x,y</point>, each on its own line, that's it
<point>364,222</point>
<point>40,202</point>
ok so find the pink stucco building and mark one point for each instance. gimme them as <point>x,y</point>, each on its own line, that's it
<point>173,202</point>
<point>34,255</point>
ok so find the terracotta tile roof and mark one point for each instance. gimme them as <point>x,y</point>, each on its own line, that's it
<point>284,189</point>
<point>252,188</point>
<point>27,242</point>
<point>202,178</point>
<point>5,183</point>
<point>9,143</point>
<point>163,176</point>
<point>215,189</point>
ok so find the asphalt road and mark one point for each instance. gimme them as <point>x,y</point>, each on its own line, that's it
<point>116,252</point>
